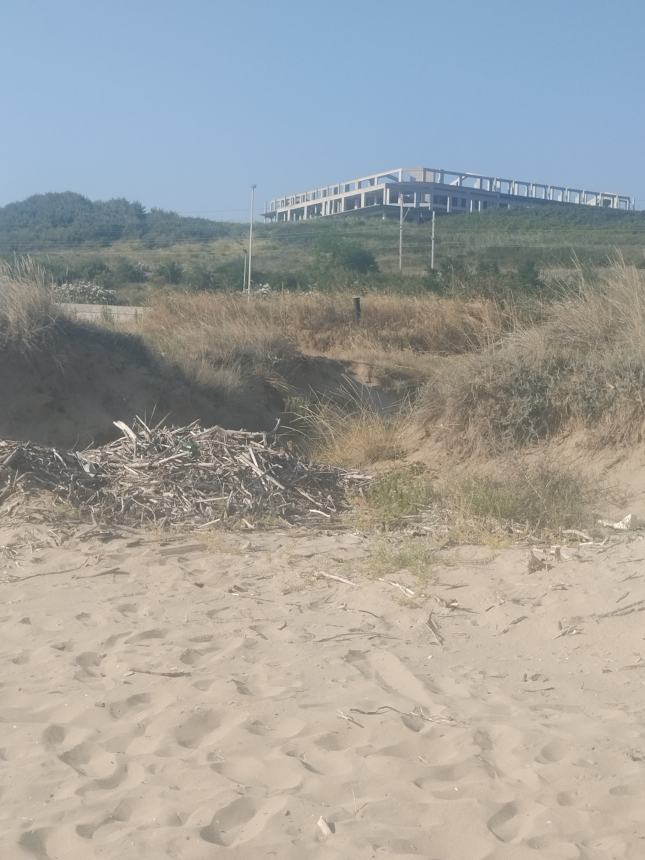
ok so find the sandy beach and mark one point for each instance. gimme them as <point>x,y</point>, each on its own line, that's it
<point>197,697</point>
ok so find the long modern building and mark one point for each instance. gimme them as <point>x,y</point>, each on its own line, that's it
<point>427,189</point>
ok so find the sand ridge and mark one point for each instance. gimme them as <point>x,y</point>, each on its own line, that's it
<point>194,697</point>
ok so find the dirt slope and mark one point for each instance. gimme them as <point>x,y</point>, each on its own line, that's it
<point>69,390</point>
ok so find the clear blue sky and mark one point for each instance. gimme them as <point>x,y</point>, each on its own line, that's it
<point>183,104</point>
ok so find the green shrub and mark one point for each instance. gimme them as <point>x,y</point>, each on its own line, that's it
<point>538,497</point>
<point>171,271</point>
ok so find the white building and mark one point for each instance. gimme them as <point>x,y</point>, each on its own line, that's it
<point>425,189</point>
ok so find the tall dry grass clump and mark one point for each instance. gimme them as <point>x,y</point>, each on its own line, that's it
<point>28,312</point>
<point>582,367</point>
<point>216,339</point>
<point>352,429</point>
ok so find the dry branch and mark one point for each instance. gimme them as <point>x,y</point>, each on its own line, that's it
<point>180,476</point>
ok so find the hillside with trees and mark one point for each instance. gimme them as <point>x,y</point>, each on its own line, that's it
<point>51,221</point>
<point>120,246</point>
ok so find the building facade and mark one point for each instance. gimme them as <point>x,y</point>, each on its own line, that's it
<point>425,189</point>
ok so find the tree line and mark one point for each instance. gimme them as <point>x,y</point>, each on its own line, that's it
<point>54,220</point>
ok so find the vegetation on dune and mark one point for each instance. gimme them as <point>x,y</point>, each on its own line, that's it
<point>504,254</point>
<point>518,499</point>
<point>51,221</point>
<point>582,366</point>
<point>324,322</point>
<point>350,429</point>
<point>28,312</point>
<point>478,376</point>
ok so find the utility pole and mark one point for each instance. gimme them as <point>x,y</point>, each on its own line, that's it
<point>400,231</point>
<point>244,277</point>
<point>253,187</point>
<point>432,245</point>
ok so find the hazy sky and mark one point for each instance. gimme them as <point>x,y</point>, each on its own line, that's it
<point>184,103</point>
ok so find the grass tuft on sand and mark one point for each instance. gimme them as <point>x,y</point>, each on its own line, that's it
<point>516,501</point>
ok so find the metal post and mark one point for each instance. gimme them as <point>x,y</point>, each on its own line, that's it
<point>251,240</point>
<point>432,245</point>
<point>357,308</point>
<point>244,277</point>
<point>400,231</point>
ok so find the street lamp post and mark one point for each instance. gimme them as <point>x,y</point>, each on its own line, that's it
<point>251,240</point>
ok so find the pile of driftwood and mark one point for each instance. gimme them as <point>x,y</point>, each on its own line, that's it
<point>180,476</point>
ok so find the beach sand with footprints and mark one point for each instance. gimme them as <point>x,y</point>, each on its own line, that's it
<point>189,697</point>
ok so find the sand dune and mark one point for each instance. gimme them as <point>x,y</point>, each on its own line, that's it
<point>191,698</point>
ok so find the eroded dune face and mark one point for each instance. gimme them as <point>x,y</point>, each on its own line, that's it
<point>68,391</point>
<point>206,697</point>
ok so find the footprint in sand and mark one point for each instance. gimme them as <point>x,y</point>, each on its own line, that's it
<point>334,741</point>
<point>503,824</point>
<point>393,676</point>
<point>511,820</point>
<point>483,740</point>
<point>452,773</point>
<point>154,633</point>
<point>53,735</point>
<point>236,814</point>
<point>106,784</point>
<point>202,638</point>
<point>192,732</point>
<point>564,798</point>
<point>552,752</point>
<point>112,640</point>
<point>123,812</point>
<point>88,662</point>
<point>241,821</point>
<point>626,790</point>
<point>192,656</point>
<point>125,707</point>
<point>35,842</point>
<point>358,659</point>
<point>77,757</point>
<point>127,608</point>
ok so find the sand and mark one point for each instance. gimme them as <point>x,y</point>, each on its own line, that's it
<point>194,698</point>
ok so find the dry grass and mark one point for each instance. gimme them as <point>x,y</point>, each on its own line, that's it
<point>225,340</point>
<point>524,499</point>
<point>495,385</point>
<point>205,331</point>
<point>352,430</point>
<point>219,326</point>
<point>27,310</point>
<point>389,323</point>
<point>584,366</point>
